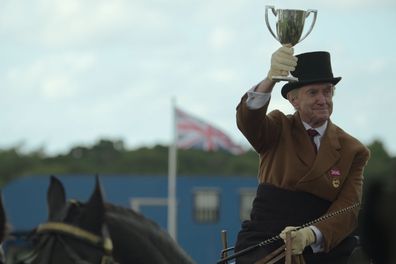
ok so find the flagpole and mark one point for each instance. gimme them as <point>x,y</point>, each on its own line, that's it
<point>172,169</point>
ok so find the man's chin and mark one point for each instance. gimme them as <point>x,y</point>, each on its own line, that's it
<point>321,119</point>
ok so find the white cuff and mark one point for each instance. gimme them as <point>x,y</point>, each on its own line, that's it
<point>257,100</point>
<point>318,245</point>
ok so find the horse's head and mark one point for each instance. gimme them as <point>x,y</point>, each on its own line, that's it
<point>75,231</point>
<point>88,216</point>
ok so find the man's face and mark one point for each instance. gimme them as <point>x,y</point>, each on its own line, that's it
<point>314,102</point>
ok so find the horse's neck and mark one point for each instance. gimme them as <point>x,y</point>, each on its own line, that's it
<point>142,236</point>
<point>129,220</point>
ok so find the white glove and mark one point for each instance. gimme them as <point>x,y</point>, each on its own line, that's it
<point>282,62</point>
<point>299,238</point>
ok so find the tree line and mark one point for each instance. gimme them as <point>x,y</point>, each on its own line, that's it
<point>111,157</point>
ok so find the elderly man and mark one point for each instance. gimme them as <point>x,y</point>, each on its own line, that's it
<point>308,166</point>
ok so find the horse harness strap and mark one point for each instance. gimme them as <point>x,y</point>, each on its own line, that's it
<point>58,227</point>
<point>104,260</point>
<point>75,231</point>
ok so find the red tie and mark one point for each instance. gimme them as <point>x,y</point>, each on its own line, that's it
<point>312,133</point>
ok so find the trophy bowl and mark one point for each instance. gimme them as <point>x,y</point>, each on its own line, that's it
<point>289,29</point>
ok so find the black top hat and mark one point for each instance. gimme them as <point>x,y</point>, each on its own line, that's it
<point>312,67</point>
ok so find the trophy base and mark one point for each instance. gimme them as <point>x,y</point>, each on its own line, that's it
<point>285,78</point>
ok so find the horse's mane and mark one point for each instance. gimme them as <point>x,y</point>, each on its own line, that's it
<point>135,227</point>
<point>127,215</point>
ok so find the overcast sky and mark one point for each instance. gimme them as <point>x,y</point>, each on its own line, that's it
<point>75,71</point>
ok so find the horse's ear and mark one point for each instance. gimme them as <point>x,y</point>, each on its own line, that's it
<point>56,197</point>
<point>93,216</point>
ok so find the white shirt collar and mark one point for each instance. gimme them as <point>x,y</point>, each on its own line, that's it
<point>320,129</point>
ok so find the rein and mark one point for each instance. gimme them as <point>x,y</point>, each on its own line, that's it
<point>277,237</point>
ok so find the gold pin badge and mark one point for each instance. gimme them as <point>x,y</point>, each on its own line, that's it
<point>336,183</point>
<point>335,175</point>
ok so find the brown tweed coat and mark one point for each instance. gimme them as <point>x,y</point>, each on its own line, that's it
<point>288,160</point>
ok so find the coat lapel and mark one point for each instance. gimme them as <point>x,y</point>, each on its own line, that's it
<point>327,156</point>
<point>303,145</point>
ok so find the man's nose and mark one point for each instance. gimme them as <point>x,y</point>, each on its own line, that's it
<point>321,98</point>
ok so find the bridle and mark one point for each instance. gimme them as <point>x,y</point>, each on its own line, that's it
<point>57,230</point>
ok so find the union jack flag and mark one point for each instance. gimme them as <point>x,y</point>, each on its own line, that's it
<point>195,133</point>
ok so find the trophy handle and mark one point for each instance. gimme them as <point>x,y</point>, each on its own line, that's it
<point>315,13</point>
<point>267,21</point>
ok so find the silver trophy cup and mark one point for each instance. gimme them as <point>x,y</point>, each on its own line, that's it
<point>289,28</point>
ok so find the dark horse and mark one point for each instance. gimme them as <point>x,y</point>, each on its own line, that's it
<point>379,221</point>
<point>97,233</point>
<point>3,228</point>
